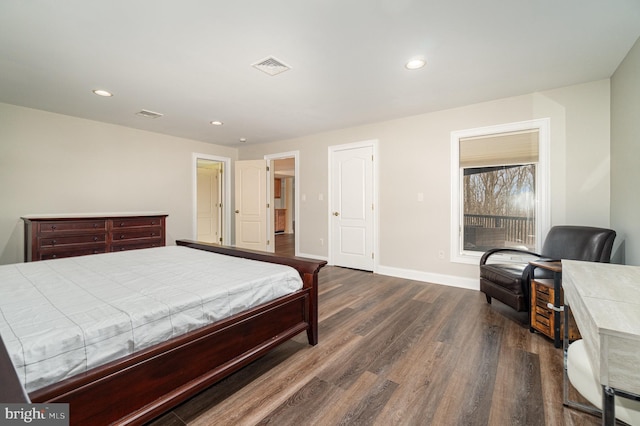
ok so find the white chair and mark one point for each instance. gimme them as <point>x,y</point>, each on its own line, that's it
<point>584,379</point>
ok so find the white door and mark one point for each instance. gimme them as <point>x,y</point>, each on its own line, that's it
<point>209,204</point>
<point>222,224</point>
<point>352,207</point>
<point>252,216</point>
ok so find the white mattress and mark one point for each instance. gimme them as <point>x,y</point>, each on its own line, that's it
<point>62,317</point>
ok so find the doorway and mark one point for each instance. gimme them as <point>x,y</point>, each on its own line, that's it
<point>284,205</point>
<point>285,202</point>
<point>211,199</point>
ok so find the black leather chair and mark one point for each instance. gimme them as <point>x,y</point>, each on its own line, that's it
<point>510,282</point>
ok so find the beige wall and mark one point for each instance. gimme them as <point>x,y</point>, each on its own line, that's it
<point>51,163</point>
<point>625,152</point>
<point>414,157</point>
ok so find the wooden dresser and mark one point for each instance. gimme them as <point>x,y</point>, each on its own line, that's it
<point>57,236</point>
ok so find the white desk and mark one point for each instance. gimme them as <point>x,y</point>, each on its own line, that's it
<point>605,302</point>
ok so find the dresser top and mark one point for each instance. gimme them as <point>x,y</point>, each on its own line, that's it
<point>90,215</point>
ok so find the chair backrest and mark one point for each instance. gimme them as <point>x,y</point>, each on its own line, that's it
<point>579,243</point>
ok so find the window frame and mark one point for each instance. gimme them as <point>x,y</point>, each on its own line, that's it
<point>543,214</point>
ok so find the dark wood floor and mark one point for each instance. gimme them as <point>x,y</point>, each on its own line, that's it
<point>396,352</point>
<point>285,244</point>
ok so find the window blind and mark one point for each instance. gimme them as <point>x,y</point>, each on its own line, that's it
<point>499,149</point>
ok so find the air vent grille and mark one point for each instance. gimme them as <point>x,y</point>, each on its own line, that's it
<point>149,114</point>
<point>271,66</point>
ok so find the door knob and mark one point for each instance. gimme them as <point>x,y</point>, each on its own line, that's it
<point>237,211</point>
<point>336,214</point>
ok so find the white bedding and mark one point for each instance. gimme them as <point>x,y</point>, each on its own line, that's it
<point>61,317</point>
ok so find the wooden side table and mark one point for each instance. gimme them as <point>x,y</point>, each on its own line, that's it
<point>547,303</point>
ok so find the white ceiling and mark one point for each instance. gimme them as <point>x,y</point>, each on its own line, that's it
<point>191,60</point>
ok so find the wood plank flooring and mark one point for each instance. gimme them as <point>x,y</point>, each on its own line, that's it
<point>396,352</point>
<point>285,244</point>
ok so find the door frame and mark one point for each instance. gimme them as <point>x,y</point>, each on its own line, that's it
<point>373,143</point>
<point>226,194</point>
<point>296,218</point>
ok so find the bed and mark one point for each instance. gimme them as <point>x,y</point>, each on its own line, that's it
<point>138,387</point>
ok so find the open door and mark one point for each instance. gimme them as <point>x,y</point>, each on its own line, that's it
<point>209,201</point>
<point>211,195</point>
<point>253,217</point>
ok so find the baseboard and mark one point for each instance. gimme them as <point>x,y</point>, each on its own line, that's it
<point>410,274</point>
<point>449,280</point>
<point>313,256</point>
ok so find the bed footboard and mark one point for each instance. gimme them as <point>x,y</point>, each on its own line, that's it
<point>307,268</point>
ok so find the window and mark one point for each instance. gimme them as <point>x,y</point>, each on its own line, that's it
<point>499,188</point>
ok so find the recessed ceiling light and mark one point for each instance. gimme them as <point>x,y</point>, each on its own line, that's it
<point>243,140</point>
<point>101,92</point>
<point>415,63</point>
<point>217,123</point>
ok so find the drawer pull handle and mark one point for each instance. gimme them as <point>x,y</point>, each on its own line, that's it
<point>53,242</point>
<point>95,238</point>
<point>53,227</point>
<point>95,225</point>
<point>122,236</point>
<point>153,222</point>
<point>153,234</point>
<point>121,223</point>
<point>557,309</point>
<point>54,256</point>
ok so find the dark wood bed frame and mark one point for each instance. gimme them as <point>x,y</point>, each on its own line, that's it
<point>140,387</point>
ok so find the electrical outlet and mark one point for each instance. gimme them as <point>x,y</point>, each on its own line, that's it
<point>441,254</point>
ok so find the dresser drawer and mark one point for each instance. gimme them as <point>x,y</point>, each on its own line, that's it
<point>136,222</point>
<point>135,234</point>
<point>136,245</point>
<point>72,226</point>
<point>70,252</point>
<point>71,240</point>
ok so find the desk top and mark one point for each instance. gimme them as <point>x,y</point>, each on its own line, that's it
<point>605,302</point>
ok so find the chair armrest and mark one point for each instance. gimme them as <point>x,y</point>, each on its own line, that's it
<point>489,253</point>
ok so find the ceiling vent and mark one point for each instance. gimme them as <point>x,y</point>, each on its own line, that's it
<point>149,114</point>
<point>271,66</point>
